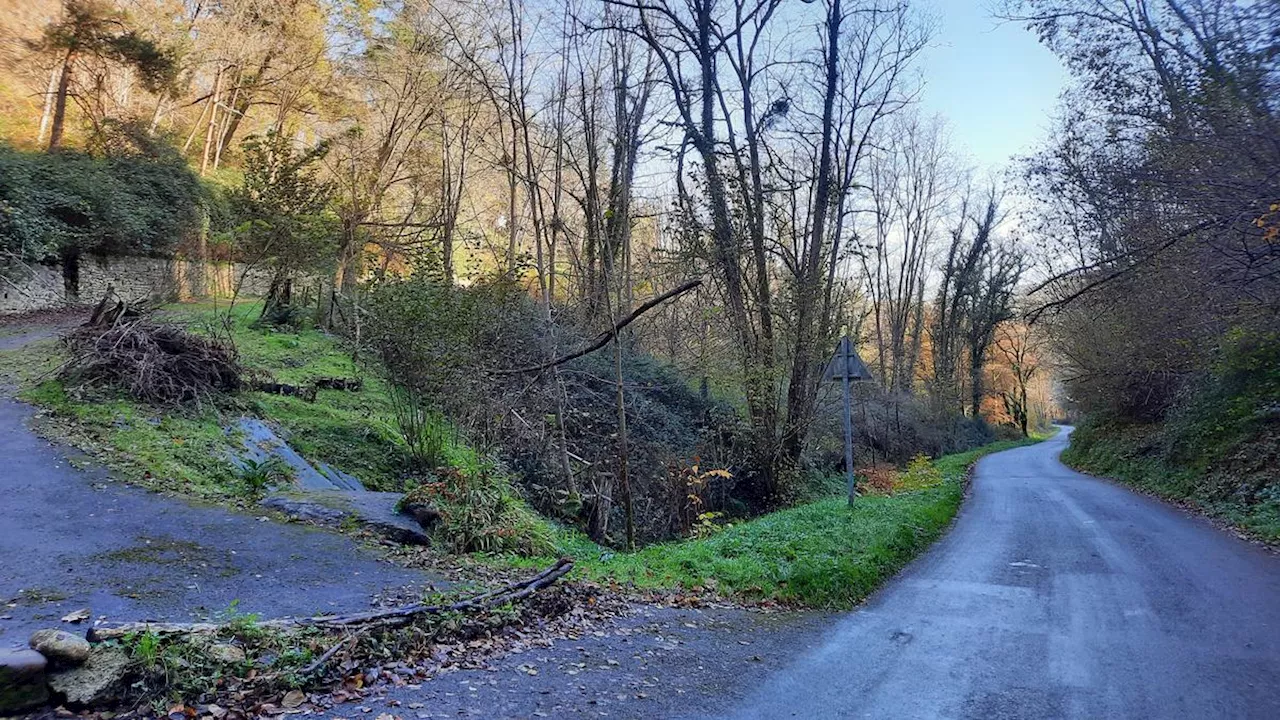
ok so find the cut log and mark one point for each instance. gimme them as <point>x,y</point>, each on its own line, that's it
<point>391,617</point>
<point>339,383</point>
<point>307,392</point>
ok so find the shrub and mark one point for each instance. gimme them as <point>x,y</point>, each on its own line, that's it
<point>137,199</point>
<point>479,512</point>
<point>450,349</point>
<point>440,341</point>
<point>426,433</point>
<point>877,479</point>
<point>921,473</point>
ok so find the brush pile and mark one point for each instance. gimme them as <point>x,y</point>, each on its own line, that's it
<point>154,362</point>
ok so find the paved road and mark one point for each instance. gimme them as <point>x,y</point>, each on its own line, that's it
<point>1056,595</point>
<point>72,538</point>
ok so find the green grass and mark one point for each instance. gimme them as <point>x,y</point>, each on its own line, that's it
<point>187,451</point>
<point>822,554</point>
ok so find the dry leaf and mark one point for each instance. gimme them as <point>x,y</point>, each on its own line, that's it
<point>76,617</point>
<point>293,699</point>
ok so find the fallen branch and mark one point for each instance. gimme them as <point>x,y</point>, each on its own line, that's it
<point>157,363</point>
<point>603,338</point>
<point>392,617</point>
<point>307,392</point>
<point>320,661</point>
<point>339,383</point>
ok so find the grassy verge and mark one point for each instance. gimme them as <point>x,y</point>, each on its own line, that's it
<point>188,451</point>
<point>822,554</point>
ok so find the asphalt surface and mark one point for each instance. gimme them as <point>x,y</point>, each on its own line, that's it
<point>74,538</point>
<point>1056,595</point>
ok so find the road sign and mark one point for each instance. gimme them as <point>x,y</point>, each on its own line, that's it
<point>846,364</point>
<point>847,367</point>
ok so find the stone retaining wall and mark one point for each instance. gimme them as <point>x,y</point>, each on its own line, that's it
<point>43,287</point>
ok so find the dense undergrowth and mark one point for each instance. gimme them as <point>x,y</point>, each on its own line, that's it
<point>135,196</point>
<point>1218,450</point>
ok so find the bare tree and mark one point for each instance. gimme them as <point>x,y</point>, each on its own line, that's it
<point>1019,349</point>
<point>691,43</point>
<point>865,54</point>
<point>967,254</point>
<point>911,193</point>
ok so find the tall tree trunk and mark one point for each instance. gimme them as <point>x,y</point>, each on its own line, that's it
<point>244,99</point>
<point>624,475</point>
<point>47,113</point>
<point>60,102</point>
<point>801,387</point>
<point>975,381</point>
<point>213,122</point>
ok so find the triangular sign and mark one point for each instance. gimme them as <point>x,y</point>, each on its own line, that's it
<point>846,363</point>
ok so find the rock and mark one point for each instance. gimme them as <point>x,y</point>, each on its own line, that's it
<point>22,680</point>
<point>425,515</point>
<point>260,443</point>
<point>226,653</point>
<point>100,679</point>
<point>63,649</point>
<point>377,512</point>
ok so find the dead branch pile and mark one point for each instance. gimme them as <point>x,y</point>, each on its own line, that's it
<point>154,362</point>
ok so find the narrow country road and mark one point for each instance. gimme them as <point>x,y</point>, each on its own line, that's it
<point>1056,595</point>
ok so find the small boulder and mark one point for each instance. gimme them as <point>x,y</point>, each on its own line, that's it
<point>226,653</point>
<point>99,680</point>
<point>63,649</point>
<point>22,680</point>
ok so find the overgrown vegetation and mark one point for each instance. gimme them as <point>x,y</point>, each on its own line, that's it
<point>479,510</point>
<point>1218,449</point>
<point>450,351</point>
<point>139,197</point>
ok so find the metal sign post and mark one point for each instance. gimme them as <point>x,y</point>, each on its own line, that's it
<point>847,367</point>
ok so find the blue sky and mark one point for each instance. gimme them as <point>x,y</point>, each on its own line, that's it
<point>995,84</point>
